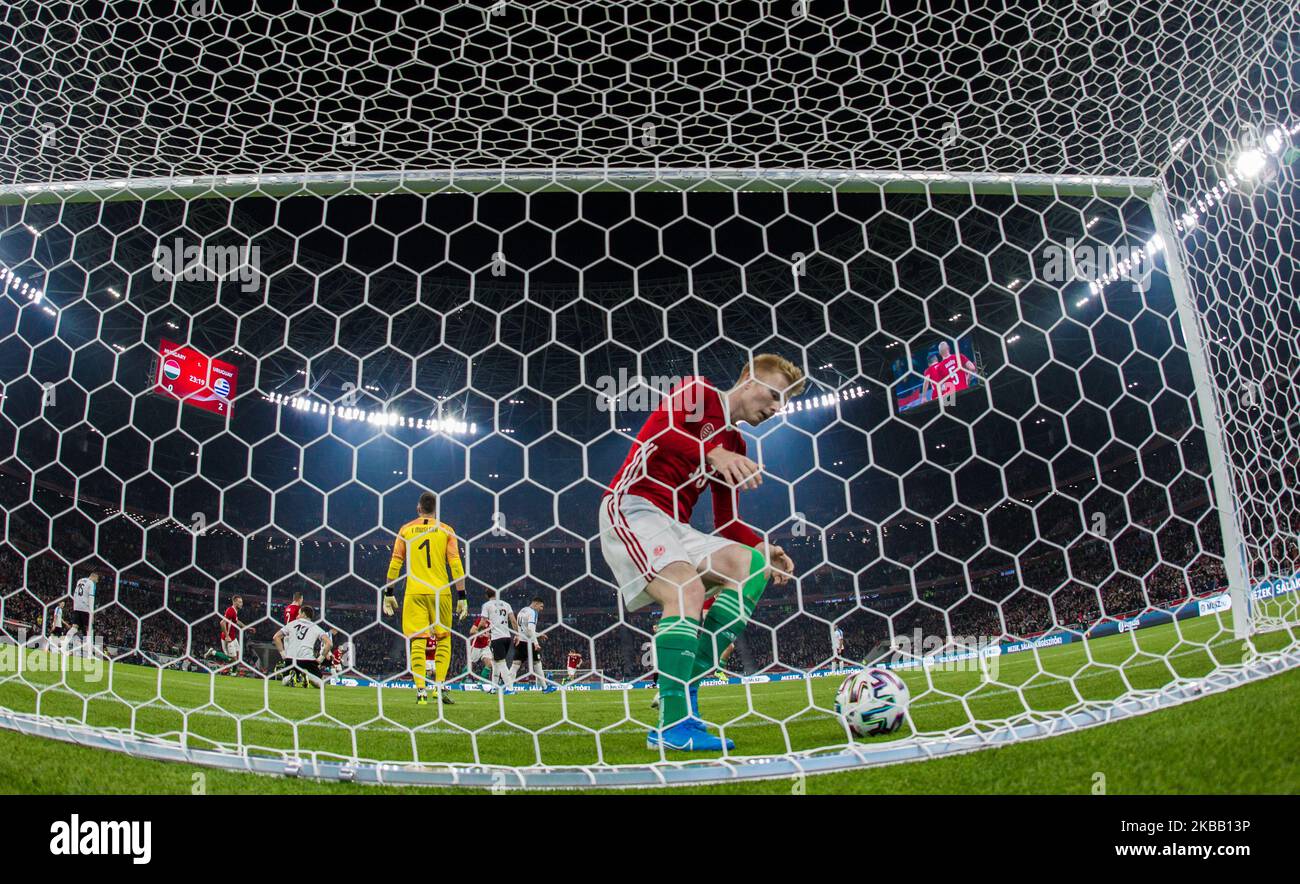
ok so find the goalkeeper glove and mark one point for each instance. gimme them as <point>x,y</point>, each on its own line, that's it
<point>462,609</point>
<point>390,602</point>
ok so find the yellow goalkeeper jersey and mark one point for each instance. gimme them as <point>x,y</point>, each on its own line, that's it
<point>428,548</point>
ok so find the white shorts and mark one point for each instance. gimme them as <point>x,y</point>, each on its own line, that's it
<point>638,540</point>
<point>476,654</point>
<point>230,647</point>
<point>572,672</point>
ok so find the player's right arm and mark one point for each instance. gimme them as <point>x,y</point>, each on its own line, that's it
<point>279,641</point>
<point>394,571</point>
<point>736,469</point>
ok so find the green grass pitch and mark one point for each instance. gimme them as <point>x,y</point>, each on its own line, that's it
<point>1242,740</point>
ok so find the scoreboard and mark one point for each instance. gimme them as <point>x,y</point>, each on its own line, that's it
<point>185,373</point>
<point>911,389</point>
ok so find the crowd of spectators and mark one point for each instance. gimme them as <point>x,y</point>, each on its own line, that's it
<point>1037,575</point>
<point>791,628</point>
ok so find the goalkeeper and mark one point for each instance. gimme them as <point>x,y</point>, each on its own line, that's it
<point>428,549</point>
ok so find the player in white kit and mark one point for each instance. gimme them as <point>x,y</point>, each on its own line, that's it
<point>58,626</point>
<point>501,625</point>
<point>305,646</point>
<point>83,606</point>
<point>528,645</point>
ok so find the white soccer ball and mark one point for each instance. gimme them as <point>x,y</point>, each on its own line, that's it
<point>872,701</point>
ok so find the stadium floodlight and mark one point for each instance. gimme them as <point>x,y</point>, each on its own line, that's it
<point>480,236</point>
<point>1250,163</point>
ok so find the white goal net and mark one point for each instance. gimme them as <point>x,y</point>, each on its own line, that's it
<point>267,278</point>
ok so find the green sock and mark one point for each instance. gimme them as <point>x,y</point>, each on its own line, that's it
<point>675,644</point>
<point>727,617</point>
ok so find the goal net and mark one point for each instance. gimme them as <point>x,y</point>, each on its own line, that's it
<point>269,277</point>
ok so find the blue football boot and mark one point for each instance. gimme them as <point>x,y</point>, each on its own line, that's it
<point>688,735</point>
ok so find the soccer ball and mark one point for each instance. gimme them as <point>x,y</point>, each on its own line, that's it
<point>872,701</point>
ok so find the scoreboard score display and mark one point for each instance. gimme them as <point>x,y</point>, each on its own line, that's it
<point>185,373</point>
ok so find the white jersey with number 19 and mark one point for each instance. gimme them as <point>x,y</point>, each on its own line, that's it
<point>302,640</point>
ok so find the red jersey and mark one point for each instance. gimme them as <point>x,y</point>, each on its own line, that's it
<point>290,613</point>
<point>950,374</point>
<point>573,660</point>
<point>338,656</point>
<point>483,637</point>
<point>232,617</point>
<point>667,463</point>
<point>430,645</point>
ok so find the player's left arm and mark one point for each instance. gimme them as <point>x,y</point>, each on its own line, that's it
<point>728,524</point>
<point>780,566</point>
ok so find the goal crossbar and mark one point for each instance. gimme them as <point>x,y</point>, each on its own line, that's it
<point>573,179</point>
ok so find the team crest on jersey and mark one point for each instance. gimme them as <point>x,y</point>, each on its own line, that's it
<point>706,431</point>
<point>659,551</point>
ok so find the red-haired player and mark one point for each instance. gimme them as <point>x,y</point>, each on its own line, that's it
<point>689,443</point>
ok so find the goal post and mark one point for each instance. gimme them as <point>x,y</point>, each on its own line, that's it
<point>1020,306</point>
<point>1209,403</point>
